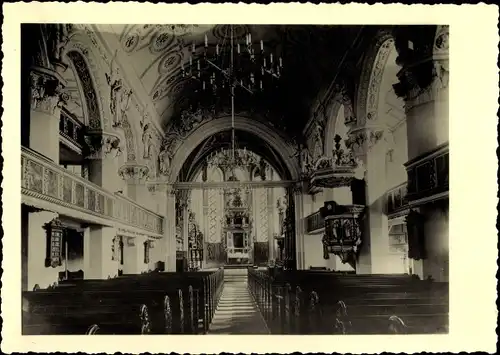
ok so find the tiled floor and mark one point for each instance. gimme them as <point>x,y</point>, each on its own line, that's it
<point>237,312</point>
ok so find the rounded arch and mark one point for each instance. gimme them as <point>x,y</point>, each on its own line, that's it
<point>91,70</point>
<point>371,76</point>
<point>242,123</point>
<point>80,54</point>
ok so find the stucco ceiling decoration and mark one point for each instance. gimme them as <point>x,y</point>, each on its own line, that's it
<point>310,56</point>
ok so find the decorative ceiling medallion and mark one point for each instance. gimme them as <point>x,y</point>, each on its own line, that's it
<point>170,62</point>
<point>161,41</point>
<point>130,42</point>
<point>183,29</point>
<point>168,87</point>
<point>223,32</point>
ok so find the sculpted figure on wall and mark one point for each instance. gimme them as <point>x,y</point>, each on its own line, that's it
<point>57,39</point>
<point>190,119</point>
<point>164,162</point>
<point>349,117</point>
<point>119,99</point>
<point>318,145</point>
<point>147,140</point>
<point>305,160</point>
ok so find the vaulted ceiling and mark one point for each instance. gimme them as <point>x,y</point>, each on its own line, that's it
<point>222,140</point>
<point>311,57</point>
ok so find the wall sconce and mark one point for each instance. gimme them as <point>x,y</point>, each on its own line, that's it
<point>54,230</point>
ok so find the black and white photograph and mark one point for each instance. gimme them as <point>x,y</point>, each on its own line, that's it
<point>235,179</point>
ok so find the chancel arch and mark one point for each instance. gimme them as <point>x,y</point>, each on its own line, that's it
<point>204,131</point>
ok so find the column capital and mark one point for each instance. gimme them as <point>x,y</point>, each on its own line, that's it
<point>362,140</point>
<point>133,172</point>
<point>101,145</point>
<point>425,66</point>
<point>47,93</point>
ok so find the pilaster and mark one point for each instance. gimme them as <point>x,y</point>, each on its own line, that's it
<point>101,151</point>
<point>169,234</point>
<point>135,176</point>
<point>47,98</point>
<point>299,227</point>
<point>98,258</point>
<point>423,84</point>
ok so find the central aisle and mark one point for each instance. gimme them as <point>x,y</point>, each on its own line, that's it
<point>237,312</point>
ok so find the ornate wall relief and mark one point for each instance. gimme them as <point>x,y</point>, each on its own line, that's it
<point>100,145</point>
<point>87,85</point>
<point>371,76</point>
<point>87,65</point>
<point>376,76</point>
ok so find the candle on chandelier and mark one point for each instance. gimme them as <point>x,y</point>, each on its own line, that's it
<point>238,48</point>
<point>206,41</point>
<point>261,84</point>
<point>265,63</point>
<point>190,60</point>
<point>261,45</point>
<point>249,38</point>
<point>203,85</point>
<point>271,58</point>
<point>194,48</point>
<point>281,62</point>
<point>198,65</point>
<point>217,49</point>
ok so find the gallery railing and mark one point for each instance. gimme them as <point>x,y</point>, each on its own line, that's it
<point>315,222</point>
<point>71,130</point>
<point>428,176</point>
<point>396,199</point>
<point>43,180</point>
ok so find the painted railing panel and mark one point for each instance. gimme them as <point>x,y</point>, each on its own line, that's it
<point>42,179</point>
<point>314,222</point>
<point>396,199</point>
<point>428,175</point>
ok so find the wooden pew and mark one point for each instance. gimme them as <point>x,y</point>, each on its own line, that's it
<point>307,302</point>
<point>125,305</point>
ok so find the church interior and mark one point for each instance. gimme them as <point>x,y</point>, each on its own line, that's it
<point>234,179</point>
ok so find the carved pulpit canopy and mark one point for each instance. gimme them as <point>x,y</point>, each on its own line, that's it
<point>335,171</point>
<point>343,234</point>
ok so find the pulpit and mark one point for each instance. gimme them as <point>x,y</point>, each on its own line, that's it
<point>342,235</point>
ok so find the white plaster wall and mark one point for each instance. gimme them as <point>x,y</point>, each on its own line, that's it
<point>437,245</point>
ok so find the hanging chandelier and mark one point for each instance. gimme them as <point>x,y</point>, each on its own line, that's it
<point>231,65</point>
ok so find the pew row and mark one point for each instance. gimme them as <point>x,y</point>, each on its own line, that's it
<point>153,303</point>
<point>310,302</point>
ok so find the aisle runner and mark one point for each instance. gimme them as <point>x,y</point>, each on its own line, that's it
<point>237,313</point>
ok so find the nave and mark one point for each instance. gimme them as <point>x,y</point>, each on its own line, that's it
<point>179,197</point>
